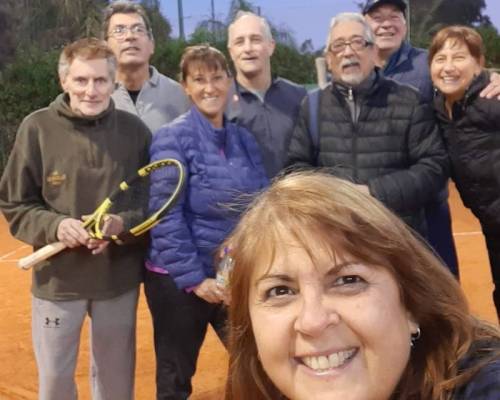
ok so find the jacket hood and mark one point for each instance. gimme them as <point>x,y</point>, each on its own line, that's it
<point>62,107</point>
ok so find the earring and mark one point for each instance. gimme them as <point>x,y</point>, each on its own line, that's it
<point>415,336</point>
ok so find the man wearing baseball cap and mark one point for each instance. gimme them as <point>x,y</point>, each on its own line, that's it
<point>398,58</point>
<point>406,64</point>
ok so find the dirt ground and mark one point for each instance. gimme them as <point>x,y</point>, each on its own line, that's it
<point>18,377</point>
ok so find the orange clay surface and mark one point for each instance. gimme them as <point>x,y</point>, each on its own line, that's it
<point>18,376</point>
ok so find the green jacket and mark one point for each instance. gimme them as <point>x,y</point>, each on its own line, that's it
<point>63,165</point>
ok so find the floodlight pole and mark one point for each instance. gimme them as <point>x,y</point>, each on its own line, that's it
<point>181,20</point>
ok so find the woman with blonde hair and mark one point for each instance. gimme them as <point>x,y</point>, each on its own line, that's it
<point>333,297</point>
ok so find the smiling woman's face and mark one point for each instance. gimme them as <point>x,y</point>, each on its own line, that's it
<point>332,328</point>
<point>453,68</point>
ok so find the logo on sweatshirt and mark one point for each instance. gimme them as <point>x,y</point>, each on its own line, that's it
<point>56,179</point>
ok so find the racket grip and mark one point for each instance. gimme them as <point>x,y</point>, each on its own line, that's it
<point>40,255</point>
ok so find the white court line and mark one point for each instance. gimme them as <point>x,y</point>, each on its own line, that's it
<point>468,233</point>
<point>3,258</point>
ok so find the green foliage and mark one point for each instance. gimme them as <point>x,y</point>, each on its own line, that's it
<point>29,83</point>
<point>491,40</point>
<point>287,62</point>
<point>167,57</point>
<point>160,25</point>
<point>428,16</point>
<point>41,27</point>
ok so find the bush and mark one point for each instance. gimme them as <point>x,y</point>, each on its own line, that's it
<point>29,83</point>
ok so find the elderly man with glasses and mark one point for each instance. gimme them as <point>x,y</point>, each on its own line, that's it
<point>141,89</point>
<point>371,130</point>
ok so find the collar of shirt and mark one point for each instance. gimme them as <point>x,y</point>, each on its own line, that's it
<point>154,79</point>
<point>242,89</point>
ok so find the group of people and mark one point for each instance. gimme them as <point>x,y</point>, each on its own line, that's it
<point>335,293</point>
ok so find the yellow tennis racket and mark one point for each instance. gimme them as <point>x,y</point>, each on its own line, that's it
<point>130,201</point>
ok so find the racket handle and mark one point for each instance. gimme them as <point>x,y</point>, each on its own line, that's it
<point>40,255</point>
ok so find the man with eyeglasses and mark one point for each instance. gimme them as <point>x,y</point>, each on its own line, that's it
<point>372,130</point>
<point>400,61</point>
<point>141,89</point>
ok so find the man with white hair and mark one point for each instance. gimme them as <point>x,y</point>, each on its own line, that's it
<point>372,130</point>
<point>66,159</point>
<point>266,106</point>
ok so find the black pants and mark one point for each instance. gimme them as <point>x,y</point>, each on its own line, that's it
<point>180,322</point>
<point>492,236</point>
<point>439,232</point>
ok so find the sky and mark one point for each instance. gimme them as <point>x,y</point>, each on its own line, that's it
<point>307,19</point>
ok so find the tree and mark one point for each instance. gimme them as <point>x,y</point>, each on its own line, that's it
<point>491,40</point>
<point>307,47</point>
<point>160,25</point>
<point>53,23</point>
<point>29,83</point>
<point>428,16</point>
<point>238,5</point>
<point>7,31</point>
<point>210,31</point>
<point>289,63</point>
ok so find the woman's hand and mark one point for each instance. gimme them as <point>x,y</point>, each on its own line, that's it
<point>209,291</point>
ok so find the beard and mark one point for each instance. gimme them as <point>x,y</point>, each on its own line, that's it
<point>353,79</point>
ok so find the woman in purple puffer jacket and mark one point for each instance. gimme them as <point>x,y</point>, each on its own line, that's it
<point>222,162</point>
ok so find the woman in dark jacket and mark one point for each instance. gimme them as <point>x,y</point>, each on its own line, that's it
<point>222,161</point>
<point>471,128</point>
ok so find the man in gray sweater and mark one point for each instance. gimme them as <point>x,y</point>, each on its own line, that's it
<point>140,89</point>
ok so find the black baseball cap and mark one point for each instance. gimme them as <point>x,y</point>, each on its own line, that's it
<point>373,4</point>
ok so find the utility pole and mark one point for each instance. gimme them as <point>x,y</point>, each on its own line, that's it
<point>213,18</point>
<point>408,21</point>
<point>181,20</point>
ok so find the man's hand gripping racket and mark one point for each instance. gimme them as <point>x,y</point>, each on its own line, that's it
<point>127,207</point>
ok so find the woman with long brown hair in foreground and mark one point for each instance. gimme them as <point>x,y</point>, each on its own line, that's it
<point>333,297</point>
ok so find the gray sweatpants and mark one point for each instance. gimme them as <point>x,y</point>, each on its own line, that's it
<point>56,328</point>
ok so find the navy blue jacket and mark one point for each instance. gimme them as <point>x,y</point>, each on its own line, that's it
<point>221,165</point>
<point>271,121</point>
<point>485,384</point>
<point>409,65</point>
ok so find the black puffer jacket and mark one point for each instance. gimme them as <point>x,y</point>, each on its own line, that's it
<point>472,139</point>
<point>392,145</point>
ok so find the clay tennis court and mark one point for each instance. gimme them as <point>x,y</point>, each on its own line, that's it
<point>18,379</point>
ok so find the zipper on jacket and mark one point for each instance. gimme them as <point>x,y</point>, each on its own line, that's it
<point>354,120</point>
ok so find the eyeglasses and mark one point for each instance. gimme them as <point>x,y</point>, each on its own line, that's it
<point>357,44</point>
<point>119,32</point>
